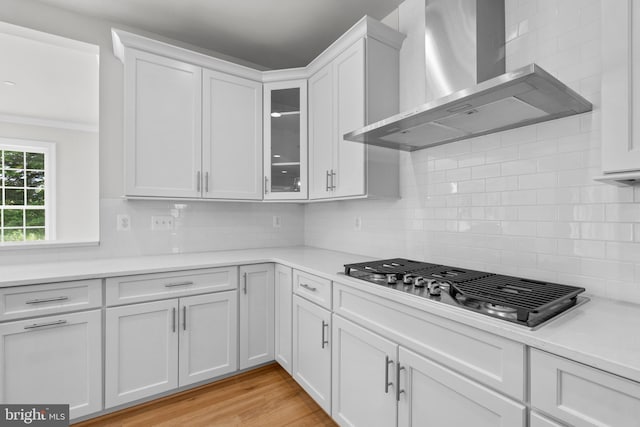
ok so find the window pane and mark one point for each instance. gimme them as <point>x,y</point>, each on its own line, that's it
<point>13,218</point>
<point>14,159</point>
<point>35,197</point>
<point>13,235</point>
<point>35,161</point>
<point>35,179</point>
<point>14,178</point>
<point>35,234</point>
<point>34,217</point>
<point>14,197</point>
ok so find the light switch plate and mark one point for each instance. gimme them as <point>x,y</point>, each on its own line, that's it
<point>162,222</point>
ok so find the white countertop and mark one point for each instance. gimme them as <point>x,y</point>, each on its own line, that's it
<point>601,333</point>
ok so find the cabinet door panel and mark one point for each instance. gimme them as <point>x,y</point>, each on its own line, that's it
<point>283,310</point>
<point>363,376</point>
<point>208,336</point>
<point>232,137</point>
<point>349,87</point>
<point>285,140</point>
<point>162,126</point>
<point>61,363</point>
<point>256,314</point>
<point>428,385</point>
<point>312,350</point>
<point>581,395</point>
<point>141,356</point>
<point>321,134</point>
<point>620,86</point>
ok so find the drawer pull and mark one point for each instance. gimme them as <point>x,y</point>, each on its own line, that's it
<point>173,285</point>
<point>311,288</point>
<point>42,325</point>
<point>387,362</point>
<point>43,300</point>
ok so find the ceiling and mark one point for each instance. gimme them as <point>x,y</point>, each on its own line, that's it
<point>271,33</point>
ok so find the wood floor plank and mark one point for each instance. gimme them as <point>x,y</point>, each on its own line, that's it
<point>266,396</point>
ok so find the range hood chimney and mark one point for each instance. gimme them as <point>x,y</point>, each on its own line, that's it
<point>468,92</point>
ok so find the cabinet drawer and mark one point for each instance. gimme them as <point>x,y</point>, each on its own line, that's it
<point>484,357</point>
<point>313,288</point>
<point>38,300</point>
<point>156,286</point>
<point>581,395</point>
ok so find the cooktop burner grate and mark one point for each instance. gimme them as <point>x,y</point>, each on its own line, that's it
<point>389,266</point>
<point>525,295</point>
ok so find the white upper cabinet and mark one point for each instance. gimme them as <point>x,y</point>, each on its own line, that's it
<point>232,137</point>
<point>358,85</point>
<point>285,140</point>
<point>620,92</point>
<point>193,124</point>
<point>162,126</point>
<point>320,132</point>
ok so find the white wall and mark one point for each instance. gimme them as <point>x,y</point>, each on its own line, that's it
<point>520,202</point>
<point>200,226</point>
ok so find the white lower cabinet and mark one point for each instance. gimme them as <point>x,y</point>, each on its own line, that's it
<point>376,382</point>
<point>432,395</point>
<point>283,325</point>
<point>157,346</point>
<point>256,314</point>
<point>580,395</point>
<point>54,359</point>
<point>363,377</point>
<point>208,336</point>
<point>538,420</point>
<point>312,350</point>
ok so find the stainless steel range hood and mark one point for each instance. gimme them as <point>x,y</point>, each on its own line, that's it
<point>453,28</point>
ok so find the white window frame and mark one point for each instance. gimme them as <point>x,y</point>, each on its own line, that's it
<point>49,150</point>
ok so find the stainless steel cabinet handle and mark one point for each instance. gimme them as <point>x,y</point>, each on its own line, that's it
<point>173,316</point>
<point>42,325</point>
<point>333,179</point>
<point>324,340</point>
<point>244,289</point>
<point>184,317</point>
<point>173,285</point>
<point>398,390</point>
<point>206,182</point>
<point>43,300</point>
<point>198,182</point>
<point>311,288</point>
<point>266,185</point>
<point>327,182</point>
<point>387,362</point>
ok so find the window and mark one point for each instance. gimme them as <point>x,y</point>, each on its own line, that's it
<point>26,183</point>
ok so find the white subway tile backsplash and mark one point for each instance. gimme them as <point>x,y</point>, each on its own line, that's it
<point>622,232</point>
<point>485,171</point>
<point>623,213</point>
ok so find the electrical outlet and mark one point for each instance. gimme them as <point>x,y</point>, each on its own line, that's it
<point>123,222</point>
<point>276,221</point>
<point>357,224</point>
<point>162,222</point>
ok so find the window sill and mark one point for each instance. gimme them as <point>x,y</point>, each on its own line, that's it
<point>17,246</point>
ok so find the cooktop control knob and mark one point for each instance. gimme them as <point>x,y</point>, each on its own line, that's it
<point>419,282</point>
<point>407,279</point>
<point>434,287</point>
<point>391,279</point>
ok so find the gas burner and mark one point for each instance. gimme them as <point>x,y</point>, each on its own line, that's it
<point>499,310</point>
<point>522,301</point>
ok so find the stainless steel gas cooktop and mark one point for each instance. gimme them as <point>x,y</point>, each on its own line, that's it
<point>522,301</point>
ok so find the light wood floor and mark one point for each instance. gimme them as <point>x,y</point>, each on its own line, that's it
<point>266,396</point>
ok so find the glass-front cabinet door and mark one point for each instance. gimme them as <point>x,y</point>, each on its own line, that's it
<point>285,140</point>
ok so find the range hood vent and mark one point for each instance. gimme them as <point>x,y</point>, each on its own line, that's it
<point>502,101</point>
